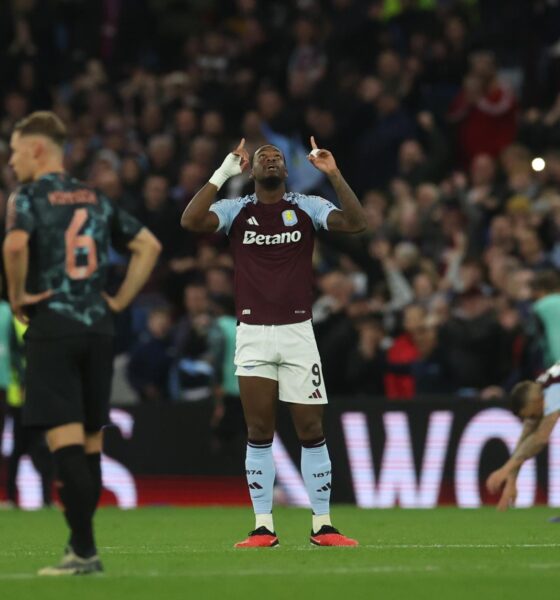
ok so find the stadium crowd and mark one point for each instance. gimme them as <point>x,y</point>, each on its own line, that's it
<point>444,116</point>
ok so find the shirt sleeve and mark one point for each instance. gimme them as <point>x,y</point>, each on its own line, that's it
<point>551,399</point>
<point>124,227</point>
<point>226,211</point>
<point>19,213</point>
<point>318,209</point>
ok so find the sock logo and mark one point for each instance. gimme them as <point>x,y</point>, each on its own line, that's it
<point>255,486</point>
<point>325,488</point>
<point>315,394</point>
<point>323,474</point>
<point>253,472</point>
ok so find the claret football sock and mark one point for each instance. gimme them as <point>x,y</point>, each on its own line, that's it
<point>260,471</point>
<point>76,491</point>
<point>316,472</point>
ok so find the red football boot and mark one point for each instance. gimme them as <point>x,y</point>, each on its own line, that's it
<point>260,538</point>
<point>329,536</point>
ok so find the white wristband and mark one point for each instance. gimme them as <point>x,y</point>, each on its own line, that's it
<point>230,167</point>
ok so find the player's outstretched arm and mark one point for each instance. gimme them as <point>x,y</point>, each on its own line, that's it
<point>533,440</point>
<point>509,492</point>
<point>16,263</point>
<point>350,218</point>
<point>197,216</point>
<point>145,249</point>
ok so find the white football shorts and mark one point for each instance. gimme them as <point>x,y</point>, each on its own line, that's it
<point>286,353</point>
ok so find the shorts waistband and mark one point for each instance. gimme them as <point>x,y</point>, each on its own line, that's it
<point>307,321</point>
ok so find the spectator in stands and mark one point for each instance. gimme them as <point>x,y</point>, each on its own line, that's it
<point>531,250</point>
<point>228,422</point>
<point>110,183</point>
<point>421,163</point>
<point>191,177</point>
<point>160,215</point>
<point>393,264</point>
<point>483,196</point>
<point>307,63</point>
<point>194,369</point>
<point>474,344</point>
<point>484,110</point>
<point>379,145</point>
<point>132,178</point>
<point>333,326</point>
<point>540,130</point>
<point>185,128</point>
<point>430,371</point>
<point>404,351</point>
<point>366,363</point>
<point>161,154</point>
<point>150,358</point>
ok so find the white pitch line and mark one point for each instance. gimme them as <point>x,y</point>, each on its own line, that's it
<point>378,569</point>
<point>543,566</point>
<point>295,572</point>
<point>311,548</point>
<point>369,570</point>
<point>139,550</point>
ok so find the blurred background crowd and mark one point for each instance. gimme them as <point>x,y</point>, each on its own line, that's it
<point>443,115</point>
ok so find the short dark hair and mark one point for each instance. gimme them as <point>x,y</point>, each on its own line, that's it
<point>267,146</point>
<point>43,122</point>
<point>520,395</point>
<point>546,281</point>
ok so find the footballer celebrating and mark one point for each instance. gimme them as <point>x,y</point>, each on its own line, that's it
<point>56,254</point>
<point>271,234</point>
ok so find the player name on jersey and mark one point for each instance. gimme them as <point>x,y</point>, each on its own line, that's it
<point>65,218</point>
<point>83,196</point>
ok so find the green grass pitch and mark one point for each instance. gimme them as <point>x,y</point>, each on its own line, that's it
<point>167,553</point>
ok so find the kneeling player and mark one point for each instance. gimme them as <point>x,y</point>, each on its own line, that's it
<point>538,404</point>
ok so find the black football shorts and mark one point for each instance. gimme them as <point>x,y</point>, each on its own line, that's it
<point>68,380</point>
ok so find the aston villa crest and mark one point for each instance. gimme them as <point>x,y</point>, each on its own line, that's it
<point>289,217</point>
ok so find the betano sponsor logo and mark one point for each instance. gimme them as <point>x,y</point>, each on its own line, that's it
<point>288,237</point>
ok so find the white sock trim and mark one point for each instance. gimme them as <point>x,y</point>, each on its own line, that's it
<point>319,521</point>
<point>264,520</point>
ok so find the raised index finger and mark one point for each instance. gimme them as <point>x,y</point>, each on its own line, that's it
<point>313,144</point>
<point>240,145</point>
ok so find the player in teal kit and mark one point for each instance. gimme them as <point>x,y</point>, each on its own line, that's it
<point>271,235</point>
<point>56,259</point>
